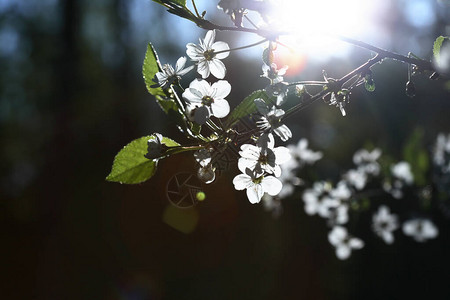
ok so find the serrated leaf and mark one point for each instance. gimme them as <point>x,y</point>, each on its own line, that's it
<point>130,166</point>
<point>149,70</point>
<point>437,46</point>
<point>246,107</point>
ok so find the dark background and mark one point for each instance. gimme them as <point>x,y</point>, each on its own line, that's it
<point>72,95</point>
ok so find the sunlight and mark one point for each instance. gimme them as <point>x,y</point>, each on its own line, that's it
<point>346,17</point>
<point>314,24</point>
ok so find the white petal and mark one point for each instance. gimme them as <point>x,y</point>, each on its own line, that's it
<point>185,71</point>
<point>217,68</point>
<point>203,68</point>
<point>194,52</point>
<point>243,164</point>
<point>221,46</point>
<point>242,181</point>
<point>343,252</point>
<point>180,63</point>
<point>429,230</point>
<point>202,86</point>
<point>282,155</point>
<point>409,227</point>
<point>209,38</point>
<point>283,132</point>
<point>221,89</point>
<point>337,235</point>
<point>191,95</point>
<point>356,243</point>
<point>255,193</point>
<point>388,237</point>
<point>250,152</point>
<point>271,185</point>
<point>220,108</point>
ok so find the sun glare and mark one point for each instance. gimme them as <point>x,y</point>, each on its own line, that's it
<point>314,22</point>
<point>346,17</point>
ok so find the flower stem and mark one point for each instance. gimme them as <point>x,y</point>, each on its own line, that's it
<point>243,47</point>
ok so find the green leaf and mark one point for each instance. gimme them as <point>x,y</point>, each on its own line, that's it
<point>130,166</point>
<point>171,2</point>
<point>149,70</point>
<point>150,67</point>
<point>246,107</point>
<point>180,2</point>
<point>437,46</point>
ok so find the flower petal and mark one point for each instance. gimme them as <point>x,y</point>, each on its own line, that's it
<point>244,164</point>
<point>282,155</point>
<point>343,252</point>
<point>221,89</point>
<point>356,243</point>
<point>220,108</point>
<point>209,38</point>
<point>203,68</point>
<point>217,68</point>
<point>180,63</point>
<point>254,193</point>
<point>221,46</point>
<point>271,185</point>
<point>202,86</point>
<point>242,181</point>
<point>194,52</point>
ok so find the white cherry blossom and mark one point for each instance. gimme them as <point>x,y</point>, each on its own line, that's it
<point>402,171</point>
<point>207,57</point>
<point>256,185</point>
<point>206,100</point>
<point>302,154</point>
<point>273,74</point>
<point>271,120</point>
<point>169,75</point>
<point>384,223</point>
<point>357,178</point>
<point>343,242</point>
<point>420,229</point>
<point>318,201</point>
<point>367,161</point>
<point>265,158</point>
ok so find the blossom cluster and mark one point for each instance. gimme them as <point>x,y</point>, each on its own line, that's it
<point>268,173</point>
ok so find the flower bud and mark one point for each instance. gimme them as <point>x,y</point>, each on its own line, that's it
<point>206,174</point>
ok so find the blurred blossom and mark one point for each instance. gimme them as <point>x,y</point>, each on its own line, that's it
<point>384,223</point>
<point>367,161</point>
<point>420,229</point>
<point>402,171</point>
<point>302,154</point>
<point>356,178</point>
<point>343,242</point>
